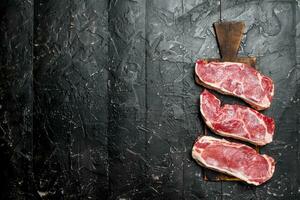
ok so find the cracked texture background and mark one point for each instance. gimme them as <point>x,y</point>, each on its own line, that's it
<point>98,99</point>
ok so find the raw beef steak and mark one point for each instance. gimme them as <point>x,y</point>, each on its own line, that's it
<point>236,79</point>
<point>235,159</point>
<point>236,121</point>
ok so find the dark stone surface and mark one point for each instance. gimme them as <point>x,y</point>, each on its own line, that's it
<point>16,60</point>
<point>98,99</point>
<point>70,99</point>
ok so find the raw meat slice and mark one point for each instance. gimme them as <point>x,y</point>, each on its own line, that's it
<point>236,79</point>
<point>236,121</point>
<point>235,159</point>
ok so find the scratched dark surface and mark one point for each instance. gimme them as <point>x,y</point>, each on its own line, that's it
<point>98,99</point>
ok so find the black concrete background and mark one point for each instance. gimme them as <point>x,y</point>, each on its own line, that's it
<point>98,99</point>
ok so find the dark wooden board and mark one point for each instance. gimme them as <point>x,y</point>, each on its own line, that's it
<point>99,101</point>
<point>229,36</point>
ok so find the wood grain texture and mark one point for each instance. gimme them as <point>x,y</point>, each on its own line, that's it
<point>229,36</point>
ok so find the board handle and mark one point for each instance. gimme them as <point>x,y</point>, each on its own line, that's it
<point>229,36</point>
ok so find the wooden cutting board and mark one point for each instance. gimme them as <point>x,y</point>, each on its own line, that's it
<point>229,35</point>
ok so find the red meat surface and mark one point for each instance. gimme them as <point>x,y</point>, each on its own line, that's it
<point>236,121</point>
<point>236,79</point>
<point>235,159</point>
